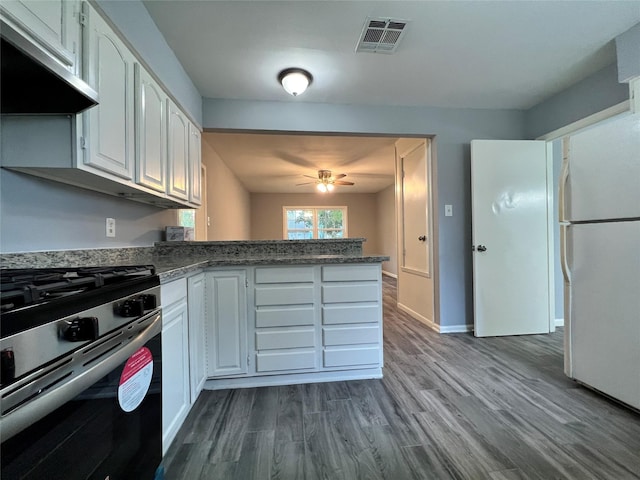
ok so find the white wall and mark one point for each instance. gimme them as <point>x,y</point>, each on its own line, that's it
<point>386,226</point>
<point>228,202</point>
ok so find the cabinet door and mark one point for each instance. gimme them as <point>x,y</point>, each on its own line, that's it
<point>110,125</point>
<point>151,132</point>
<point>226,325</point>
<point>175,371</point>
<point>195,159</point>
<point>195,294</point>
<point>52,24</point>
<point>178,132</point>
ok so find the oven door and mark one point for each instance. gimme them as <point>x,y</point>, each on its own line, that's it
<point>99,416</point>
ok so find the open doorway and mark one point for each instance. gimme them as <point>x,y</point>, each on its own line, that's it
<point>279,170</point>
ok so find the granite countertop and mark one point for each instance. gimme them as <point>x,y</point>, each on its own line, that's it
<point>172,268</point>
<point>177,259</point>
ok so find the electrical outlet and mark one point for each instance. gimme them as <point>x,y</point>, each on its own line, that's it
<point>111,227</point>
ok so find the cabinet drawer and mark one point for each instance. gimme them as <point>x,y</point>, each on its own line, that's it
<point>275,339</point>
<point>343,357</point>
<point>272,361</point>
<point>350,293</point>
<point>284,275</point>
<point>172,292</point>
<point>351,335</point>
<point>284,317</point>
<point>333,314</point>
<point>350,273</point>
<point>299,295</point>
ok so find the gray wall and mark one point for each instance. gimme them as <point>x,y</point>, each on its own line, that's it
<point>593,94</point>
<point>628,53</point>
<point>453,129</point>
<point>133,21</point>
<point>37,214</point>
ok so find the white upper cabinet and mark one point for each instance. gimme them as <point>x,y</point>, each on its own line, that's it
<point>195,160</point>
<point>151,132</point>
<point>53,25</point>
<point>178,132</point>
<point>109,127</point>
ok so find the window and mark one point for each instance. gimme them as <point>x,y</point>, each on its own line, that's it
<point>314,222</point>
<point>187,218</point>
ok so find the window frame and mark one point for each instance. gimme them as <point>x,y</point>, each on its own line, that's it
<point>314,229</point>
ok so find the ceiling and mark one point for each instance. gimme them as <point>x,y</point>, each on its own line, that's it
<point>278,163</point>
<point>457,54</point>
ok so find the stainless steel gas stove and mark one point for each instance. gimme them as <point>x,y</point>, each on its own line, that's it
<point>81,383</point>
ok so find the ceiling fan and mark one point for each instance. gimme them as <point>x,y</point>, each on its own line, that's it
<point>326,182</point>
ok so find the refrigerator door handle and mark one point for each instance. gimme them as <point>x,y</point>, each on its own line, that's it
<point>566,273</point>
<point>564,177</point>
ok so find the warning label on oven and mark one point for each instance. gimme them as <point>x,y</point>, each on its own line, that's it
<point>135,379</point>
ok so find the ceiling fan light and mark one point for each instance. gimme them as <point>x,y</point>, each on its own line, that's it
<point>322,187</point>
<point>295,80</point>
<point>330,187</point>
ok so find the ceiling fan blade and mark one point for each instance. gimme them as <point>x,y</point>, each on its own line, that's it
<point>341,182</point>
<point>309,176</point>
<point>305,183</point>
<point>340,175</point>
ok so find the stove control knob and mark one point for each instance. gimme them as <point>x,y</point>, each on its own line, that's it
<point>81,329</point>
<point>134,307</point>
<point>149,300</point>
<point>8,366</point>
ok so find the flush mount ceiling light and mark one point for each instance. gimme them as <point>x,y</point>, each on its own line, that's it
<point>295,80</point>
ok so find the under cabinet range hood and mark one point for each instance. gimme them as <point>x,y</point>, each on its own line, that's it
<point>32,82</point>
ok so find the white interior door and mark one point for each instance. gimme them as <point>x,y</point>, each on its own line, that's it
<point>510,207</point>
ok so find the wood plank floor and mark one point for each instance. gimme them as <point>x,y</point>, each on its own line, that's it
<point>449,407</point>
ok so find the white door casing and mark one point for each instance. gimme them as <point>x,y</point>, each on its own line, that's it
<point>511,237</point>
<point>415,211</point>
<point>415,285</point>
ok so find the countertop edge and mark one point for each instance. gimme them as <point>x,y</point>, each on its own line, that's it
<point>177,269</point>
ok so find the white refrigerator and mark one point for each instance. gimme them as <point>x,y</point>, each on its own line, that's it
<point>600,255</point>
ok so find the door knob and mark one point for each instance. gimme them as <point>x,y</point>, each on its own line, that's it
<point>482,248</point>
<point>422,238</point>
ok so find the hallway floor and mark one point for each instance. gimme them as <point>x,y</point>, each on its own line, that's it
<point>449,407</point>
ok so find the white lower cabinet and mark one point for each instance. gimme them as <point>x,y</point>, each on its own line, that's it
<point>226,324</point>
<point>285,319</point>
<point>294,324</point>
<point>176,399</point>
<point>197,361</point>
<point>351,316</point>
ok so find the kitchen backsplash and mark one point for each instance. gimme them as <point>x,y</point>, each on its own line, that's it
<point>147,255</point>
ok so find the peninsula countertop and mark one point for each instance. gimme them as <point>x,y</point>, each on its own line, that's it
<point>175,267</point>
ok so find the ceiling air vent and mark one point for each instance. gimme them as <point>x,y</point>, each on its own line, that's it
<point>381,35</point>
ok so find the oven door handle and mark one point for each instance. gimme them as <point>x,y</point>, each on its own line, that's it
<point>46,402</point>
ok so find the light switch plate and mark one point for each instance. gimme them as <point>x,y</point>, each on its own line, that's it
<point>448,210</point>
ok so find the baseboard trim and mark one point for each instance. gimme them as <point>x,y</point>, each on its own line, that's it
<point>434,326</point>
<point>428,322</point>
<point>292,379</point>
<point>559,322</point>
<point>389,274</point>
<point>464,328</point>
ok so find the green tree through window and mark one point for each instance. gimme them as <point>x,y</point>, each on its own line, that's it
<point>314,222</point>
